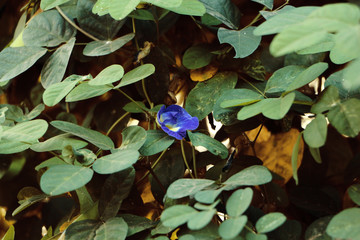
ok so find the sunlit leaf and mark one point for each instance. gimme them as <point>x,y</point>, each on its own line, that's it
<point>189,7</point>
<point>116,162</point>
<point>136,74</point>
<point>316,131</point>
<point>58,143</point>
<point>177,215</point>
<point>133,137</point>
<point>94,137</point>
<point>85,91</point>
<point>48,4</point>
<point>119,9</point>
<point>345,225</point>
<point>113,228</point>
<point>201,219</point>
<point>108,75</point>
<point>276,108</point>
<point>244,41</point>
<point>269,222</point>
<point>60,179</point>
<point>231,227</point>
<point>238,202</point>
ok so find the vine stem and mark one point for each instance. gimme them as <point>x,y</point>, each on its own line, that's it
<point>194,161</point>
<point>116,122</point>
<point>74,25</point>
<point>131,99</point>
<point>184,157</point>
<point>152,166</point>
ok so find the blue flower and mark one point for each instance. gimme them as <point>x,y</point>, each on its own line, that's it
<point>174,120</point>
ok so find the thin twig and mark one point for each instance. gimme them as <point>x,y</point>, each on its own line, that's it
<point>74,25</point>
<point>184,157</point>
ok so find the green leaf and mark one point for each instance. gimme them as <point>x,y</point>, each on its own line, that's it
<point>133,137</point>
<point>269,222</point>
<point>58,143</point>
<point>189,7</point>
<point>346,47</point>
<point>84,229</point>
<point>8,147</point>
<point>156,141</point>
<point>165,3</point>
<point>136,74</point>
<point>85,91</point>
<point>212,145</point>
<point>238,202</point>
<point>345,225</point>
<point>282,78</point>
<point>244,41</point>
<point>297,37</point>
<point>224,10</point>
<point>10,234</point>
<point>345,117</point>
<point>108,75</point>
<point>284,20</point>
<point>351,79</point>
<point>48,29</point>
<point>251,176</point>
<point>85,200</point>
<point>55,66</point>
<point>316,131</point>
<point>50,162</point>
<point>132,107</point>
<point>101,7</point>
<point>115,162</point>
<point>294,158</point>
<point>56,92</point>
<point>325,45</point>
<point>334,17</point>
<point>196,57</point>
<point>208,196</point>
<point>277,108</point>
<point>102,27</point>
<point>251,110</point>
<point>48,4</point>
<point>60,179</point>
<point>253,236</point>
<point>119,9</point>
<point>328,99</point>
<point>136,223</point>
<point>177,215</point>
<point>267,3</point>
<point>94,137</point>
<point>201,219</point>
<point>104,47</point>
<point>26,131</point>
<point>227,116</point>
<point>231,227</point>
<point>308,75</point>
<point>113,228</point>
<point>15,61</point>
<point>354,193</point>
<point>198,102</point>
<point>315,153</point>
<point>185,187</point>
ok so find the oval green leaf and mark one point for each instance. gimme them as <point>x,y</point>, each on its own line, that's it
<point>316,131</point>
<point>108,75</point>
<point>133,137</point>
<point>60,179</point>
<point>238,202</point>
<point>345,225</point>
<point>231,227</point>
<point>185,187</point>
<point>156,141</point>
<point>94,137</point>
<point>212,145</point>
<point>196,57</point>
<point>116,162</point>
<point>201,219</point>
<point>177,215</point>
<point>269,222</point>
<point>113,228</point>
<point>85,91</point>
<point>137,74</point>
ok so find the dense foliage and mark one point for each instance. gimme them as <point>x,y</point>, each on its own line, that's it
<point>181,119</point>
